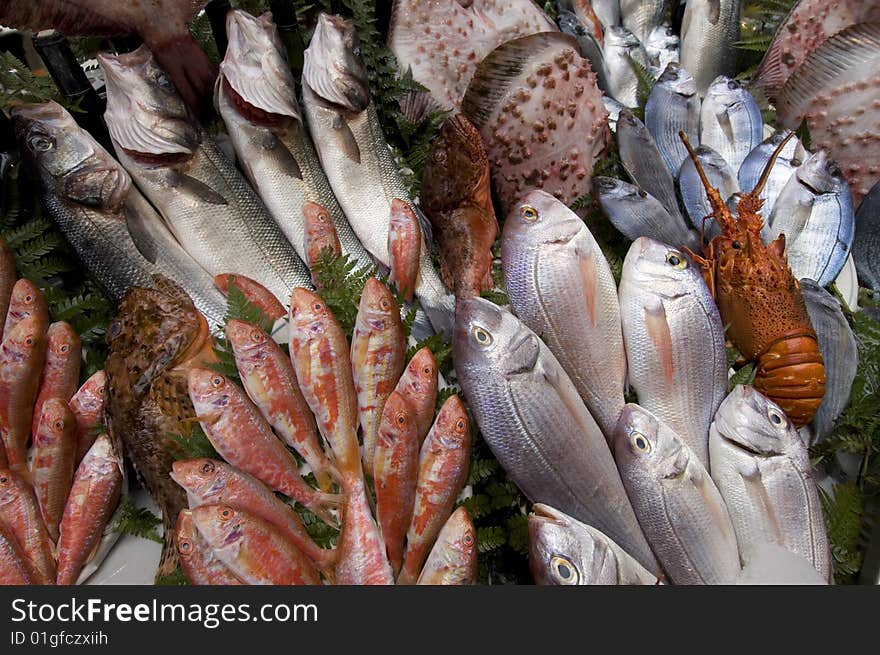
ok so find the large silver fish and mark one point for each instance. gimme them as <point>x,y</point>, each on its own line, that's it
<point>815,212</point>
<point>560,285</point>
<point>730,121</point>
<point>636,213</point>
<point>693,193</point>
<point>762,468</point>
<point>709,32</point>
<point>787,162</point>
<point>674,340</point>
<point>663,47</point>
<point>209,206</point>
<point>564,551</point>
<point>673,106</point>
<point>620,50</point>
<point>641,16</point>
<point>354,154</point>
<point>114,230</point>
<point>840,353</point>
<point>256,97</point>
<point>866,245</point>
<point>531,416</point>
<point>677,504</point>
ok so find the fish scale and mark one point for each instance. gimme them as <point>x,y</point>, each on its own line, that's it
<point>709,30</point>
<point>673,106</point>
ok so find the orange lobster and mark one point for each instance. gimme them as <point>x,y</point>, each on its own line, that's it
<point>761,302</point>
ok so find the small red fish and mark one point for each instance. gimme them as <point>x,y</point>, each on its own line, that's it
<point>320,235</point>
<point>54,460</point>
<point>26,300</point>
<point>362,559</point>
<point>88,407</point>
<point>20,513</point>
<point>199,563</point>
<point>453,559</point>
<point>418,385</point>
<point>60,375</point>
<point>255,293</point>
<point>404,248</point>
<point>13,570</point>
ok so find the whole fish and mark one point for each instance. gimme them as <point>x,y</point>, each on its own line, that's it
<point>678,506</point>
<point>60,375</point>
<point>772,564</point>
<point>256,96</point>
<point>20,514</point>
<point>530,414</point>
<point>21,361</point>
<point>404,248</point>
<point>636,213</point>
<point>395,473</point>
<point>641,16</point>
<point>362,558</point>
<point>693,193</point>
<point>13,570</point>
<point>866,244</point>
<point>97,485</point>
<point>8,277</point>
<point>209,206</point>
<point>378,355</point>
<point>589,41</point>
<point>197,560</point>
<point>353,152</point>
<point>560,286</point>
<point>162,24</point>
<point>54,460</point>
<point>321,358</point>
<point>840,353</point>
<point>709,31</point>
<point>787,162</point>
<point>239,433</point>
<point>209,481</point>
<point>673,106</point>
<point>270,382</point>
<point>443,468</point>
<point>117,234</point>
<point>762,468</point>
<point>456,197</point>
<point>87,405</point>
<point>255,293</point>
<point>444,40</point>
<point>815,212</point>
<point>663,46</point>
<point>26,300</point>
<point>418,385</point>
<point>453,559</point>
<point>156,337</point>
<point>674,341</point>
<point>835,91</point>
<point>541,117</point>
<point>252,549</point>
<point>320,236</point>
<point>621,51</point>
<point>564,551</point>
<point>730,121</point>
<point>643,162</point>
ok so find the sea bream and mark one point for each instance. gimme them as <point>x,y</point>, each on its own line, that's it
<point>620,50</point>
<point>730,121</point>
<point>787,162</point>
<point>709,32</point>
<point>673,106</point>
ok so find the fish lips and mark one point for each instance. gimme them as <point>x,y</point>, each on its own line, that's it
<point>96,185</point>
<point>333,68</point>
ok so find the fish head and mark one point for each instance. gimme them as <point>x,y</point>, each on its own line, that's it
<point>751,422</point>
<point>187,536</point>
<point>464,538</point>
<point>377,311</point>
<point>90,396</point>
<point>452,424</point>
<point>457,165</point>
<point>488,336</point>
<point>678,80</point>
<point>145,114</point>
<point>661,269</point>
<point>203,479</point>
<point>645,443</point>
<point>725,92</point>
<point>562,551</point>
<point>333,67</point>
<point>541,217</point>
<point>255,67</point>
<point>102,458</point>
<point>26,298</point>
<point>320,230</point>
<point>820,174</point>
<point>248,341</point>
<point>421,372</point>
<point>12,486</point>
<point>56,421</point>
<point>309,314</point>
<point>617,36</point>
<point>220,525</point>
<point>69,161</point>
<point>613,188</point>
<point>62,340</point>
<point>209,391</point>
<point>397,419</point>
<point>25,338</point>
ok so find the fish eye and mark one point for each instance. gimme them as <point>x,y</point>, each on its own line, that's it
<point>384,304</point>
<point>65,348</point>
<point>59,424</point>
<point>29,341</point>
<point>641,442</point>
<point>322,217</point>
<point>460,426</point>
<point>163,81</point>
<point>428,371</point>
<point>184,546</point>
<point>317,307</point>
<point>3,479</point>
<point>528,213</point>
<point>834,170</point>
<point>563,571</point>
<point>468,539</point>
<point>356,51</point>
<point>439,156</point>
<point>401,419</point>
<point>676,260</point>
<point>225,513</point>
<point>257,336</point>
<point>795,162</point>
<point>217,381</point>
<point>776,417</point>
<point>29,299</point>
<point>41,143</point>
<point>733,85</point>
<point>642,193</point>
<point>208,467</point>
<point>736,245</point>
<point>482,336</point>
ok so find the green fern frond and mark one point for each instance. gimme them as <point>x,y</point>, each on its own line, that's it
<point>136,521</point>
<point>445,393</point>
<point>340,285</point>
<point>745,375</point>
<point>174,579</point>
<point>45,268</point>
<point>645,82</point>
<point>240,308</point>
<point>758,43</point>
<point>19,84</point>
<point>68,308</point>
<point>518,533</point>
<point>843,518</point>
<point>482,469</point>
<point>322,534</point>
<point>478,506</point>
<point>490,538</point>
<point>194,446</point>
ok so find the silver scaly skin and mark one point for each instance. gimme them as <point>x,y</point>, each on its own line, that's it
<point>619,48</point>
<point>730,121</point>
<point>787,162</point>
<point>641,16</point>
<point>693,193</point>
<point>673,105</point>
<point>709,30</point>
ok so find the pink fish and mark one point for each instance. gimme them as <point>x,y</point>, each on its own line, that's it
<point>255,293</point>
<point>418,385</point>
<point>88,407</point>
<point>320,235</point>
<point>60,375</point>
<point>20,513</point>
<point>54,460</point>
<point>404,248</point>
<point>199,563</point>
<point>362,559</point>
<point>26,300</point>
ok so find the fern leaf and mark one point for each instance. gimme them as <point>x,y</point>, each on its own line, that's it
<point>174,579</point>
<point>136,521</point>
<point>194,446</point>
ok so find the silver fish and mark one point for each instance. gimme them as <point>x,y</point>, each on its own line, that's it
<point>663,47</point>
<point>815,212</point>
<point>866,245</point>
<point>560,286</point>
<point>730,121</point>
<point>531,416</point>
<point>839,352</point>
<point>209,206</point>
<point>693,193</point>
<point>613,108</point>
<point>607,11</point>
<point>788,161</point>
<point>709,30</point>
<point>564,551</point>
<point>636,213</point>
<point>354,154</point>
<point>673,106</point>
<point>620,50</point>
<point>118,235</point>
<point>769,564</point>
<point>641,16</point>
<point>674,340</point>
<point>762,468</point>
<point>678,506</point>
<point>256,97</point>
<point>587,43</point>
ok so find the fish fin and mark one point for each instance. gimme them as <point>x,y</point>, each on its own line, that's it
<point>726,126</point>
<point>416,105</point>
<point>349,143</point>
<point>195,188</point>
<point>658,331</point>
<point>590,280</point>
<point>146,245</point>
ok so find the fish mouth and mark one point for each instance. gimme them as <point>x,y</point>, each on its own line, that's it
<point>545,514</point>
<point>332,66</point>
<point>99,185</point>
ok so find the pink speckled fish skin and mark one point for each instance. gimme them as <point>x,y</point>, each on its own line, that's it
<point>13,570</point>
<point>270,382</point>
<point>809,24</point>
<point>54,460</point>
<point>320,235</point>
<point>444,40</point>
<point>418,385</point>
<point>443,467</point>
<point>88,407</point>
<point>20,514</point>
<point>256,294</point>
<point>453,559</point>
<point>541,117</point>
<point>362,559</point>
<point>242,437</point>
<point>199,563</point>
<point>320,354</point>
<point>404,248</point>
<point>61,369</point>
<point>378,355</point>
<point>26,300</point>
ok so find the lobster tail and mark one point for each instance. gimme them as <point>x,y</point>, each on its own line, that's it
<point>791,372</point>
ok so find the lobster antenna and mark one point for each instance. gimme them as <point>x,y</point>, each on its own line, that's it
<point>700,171</point>
<point>765,175</point>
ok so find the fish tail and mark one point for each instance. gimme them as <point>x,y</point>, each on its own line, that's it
<point>168,561</point>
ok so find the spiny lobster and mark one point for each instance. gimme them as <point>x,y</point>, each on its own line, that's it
<point>761,301</point>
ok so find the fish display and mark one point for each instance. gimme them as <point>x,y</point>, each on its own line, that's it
<point>453,559</point>
<point>730,121</point>
<point>673,106</point>
<point>787,161</point>
<point>709,30</point>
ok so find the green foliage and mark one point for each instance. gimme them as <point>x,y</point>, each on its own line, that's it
<point>340,285</point>
<point>745,375</point>
<point>843,518</point>
<point>200,28</point>
<point>445,394</point>
<point>759,21</point>
<point>416,143</point>
<point>441,349</point>
<point>174,579</point>
<point>322,534</point>
<point>19,85</point>
<point>194,446</point>
<point>136,521</point>
<point>645,82</point>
